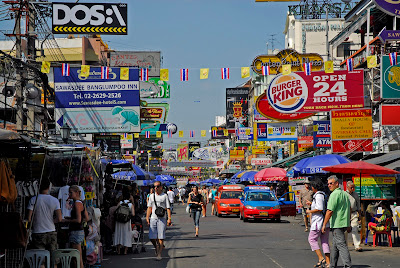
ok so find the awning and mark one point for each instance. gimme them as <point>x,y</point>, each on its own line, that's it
<point>394,165</point>
<point>346,32</point>
<point>385,159</point>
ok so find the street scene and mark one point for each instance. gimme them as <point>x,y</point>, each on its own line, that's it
<point>183,133</point>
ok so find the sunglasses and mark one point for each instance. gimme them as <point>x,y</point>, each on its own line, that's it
<point>329,183</point>
<point>157,186</point>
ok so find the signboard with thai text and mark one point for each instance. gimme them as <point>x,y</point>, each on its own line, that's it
<point>351,124</point>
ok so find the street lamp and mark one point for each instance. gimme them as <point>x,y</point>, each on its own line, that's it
<point>65,132</point>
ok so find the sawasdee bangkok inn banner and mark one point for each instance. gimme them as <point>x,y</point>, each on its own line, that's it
<point>317,92</point>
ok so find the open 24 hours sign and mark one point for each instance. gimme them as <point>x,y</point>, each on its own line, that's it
<point>298,92</point>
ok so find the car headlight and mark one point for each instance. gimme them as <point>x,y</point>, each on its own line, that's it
<point>276,207</point>
<point>223,205</point>
<point>250,207</point>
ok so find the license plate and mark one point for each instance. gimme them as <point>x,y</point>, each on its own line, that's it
<point>263,213</point>
<point>235,210</point>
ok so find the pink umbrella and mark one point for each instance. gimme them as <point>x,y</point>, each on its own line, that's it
<point>271,174</point>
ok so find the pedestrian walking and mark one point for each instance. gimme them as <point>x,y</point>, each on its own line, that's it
<point>317,212</point>
<point>157,207</point>
<point>182,192</point>
<point>338,216</point>
<point>171,197</point>
<point>204,193</point>
<point>44,235</point>
<point>213,195</point>
<point>305,195</point>
<point>148,195</point>
<point>196,202</point>
<point>354,215</point>
<point>123,227</point>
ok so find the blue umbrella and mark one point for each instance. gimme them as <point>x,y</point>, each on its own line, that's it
<point>314,165</point>
<point>248,176</point>
<point>152,176</point>
<point>125,175</point>
<point>141,174</point>
<point>237,174</point>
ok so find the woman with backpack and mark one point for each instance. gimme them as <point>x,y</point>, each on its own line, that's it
<point>196,202</point>
<point>123,227</point>
<point>317,212</point>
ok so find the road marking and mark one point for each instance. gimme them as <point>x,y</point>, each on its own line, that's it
<point>274,261</point>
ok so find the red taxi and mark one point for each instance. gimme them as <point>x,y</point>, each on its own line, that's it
<point>227,201</point>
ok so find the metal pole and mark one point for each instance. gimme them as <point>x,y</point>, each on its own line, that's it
<point>326,35</point>
<point>19,71</point>
<point>368,26</point>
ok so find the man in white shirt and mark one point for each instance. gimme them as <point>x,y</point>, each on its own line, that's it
<point>171,197</point>
<point>354,214</point>
<point>182,192</point>
<point>158,224</point>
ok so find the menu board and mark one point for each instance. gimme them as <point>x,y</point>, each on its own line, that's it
<point>376,188</point>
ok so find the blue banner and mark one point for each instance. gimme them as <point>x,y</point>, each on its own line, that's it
<point>322,134</point>
<point>94,75</point>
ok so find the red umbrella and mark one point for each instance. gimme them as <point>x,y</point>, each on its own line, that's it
<point>271,174</point>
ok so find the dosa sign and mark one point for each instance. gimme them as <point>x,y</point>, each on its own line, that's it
<point>90,18</point>
<point>317,92</point>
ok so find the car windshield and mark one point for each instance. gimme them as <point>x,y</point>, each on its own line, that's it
<point>231,195</point>
<point>265,196</point>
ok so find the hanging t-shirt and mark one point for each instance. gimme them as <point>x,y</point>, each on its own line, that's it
<point>43,217</point>
<point>66,203</point>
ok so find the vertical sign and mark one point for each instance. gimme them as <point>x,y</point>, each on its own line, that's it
<point>237,107</point>
<point>322,134</point>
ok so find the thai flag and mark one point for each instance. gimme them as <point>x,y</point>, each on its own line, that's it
<point>307,68</point>
<point>393,58</point>
<point>105,72</point>
<point>65,69</point>
<point>144,74</point>
<point>282,130</point>
<point>349,63</point>
<point>266,70</point>
<point>225,73</point>
<point>304,129</point>
<point>125,135</point>
<point>184,74</point>
<point>214,133</point>
<point>169,134</point>
<point>147,134</point>
<point>191,133</point>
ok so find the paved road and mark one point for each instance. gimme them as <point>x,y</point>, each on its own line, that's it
<point>229,242</point>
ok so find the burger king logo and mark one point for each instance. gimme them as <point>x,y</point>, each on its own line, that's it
<point>287,93</point>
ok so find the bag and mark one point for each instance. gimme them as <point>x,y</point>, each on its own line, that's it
<point>8,189</point>
<point>325,204</point>
<point>12,231</point>
<point>210,195</point>
<point>160,211</point>
<point>123,213</point>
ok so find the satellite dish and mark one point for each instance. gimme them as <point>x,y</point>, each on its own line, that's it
<point>31,91</point>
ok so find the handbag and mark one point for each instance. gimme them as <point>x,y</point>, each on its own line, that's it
<point>160,211</point>
<point>12,231</point>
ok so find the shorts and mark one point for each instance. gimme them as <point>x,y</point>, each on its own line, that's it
<point>157,228</point>
<point>76,237</point>
<point>212,201</point>
<point>47,241</point>
<point>303,211</point>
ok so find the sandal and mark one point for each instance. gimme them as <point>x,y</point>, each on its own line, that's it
<point>321,263</point>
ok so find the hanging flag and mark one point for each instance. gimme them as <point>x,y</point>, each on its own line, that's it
<point>136,135</point>
<point>282,130</point>
<point>147,134</point>
<point>85,69</point>
<point>225,73</point>
<point>124,73</point>
<point>204,73</point>
<point>372,61</point>
<point>307,68</point>
<point>226,132</point>
<point>65,69</point>
<point>191,134</point>
<point>349,63</point>
<point>184,74</point>
<point>180,133</point>
<point>169,134</point>
<point>245,71</point>
<point>214,133</point>
<point>203,133</point>
<point>266,70</point>
<point>105,72</point>
<point>144,74</point>
<point>329,67</point>
<point>125,135</point>
<point>393,58</point>
<point>304,129</point>
<point>45,67</point>
<point>164,74</point>
<point>158,134</point>
<point>286,69</point>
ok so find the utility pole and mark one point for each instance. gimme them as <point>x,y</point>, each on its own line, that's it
<point>31,55</point>
<point>327,34</point>
<point>19,71</point>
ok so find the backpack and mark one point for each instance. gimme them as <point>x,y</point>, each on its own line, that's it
<point>123,213</point>
<point>325,203</point>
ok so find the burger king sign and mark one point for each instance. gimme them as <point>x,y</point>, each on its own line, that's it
<point>317,92</point>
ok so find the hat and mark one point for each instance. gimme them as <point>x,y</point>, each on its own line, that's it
<point>306,181</point>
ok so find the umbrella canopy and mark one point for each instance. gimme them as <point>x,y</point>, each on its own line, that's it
<point>152,176</point>
<point>314,165</point>
<point>238,174</point>
<point>141,174</point>
<point>125,175</point>
<point>360,167</point>
<point>165,178</point>
<point>271,174</point>
<point>211,181</point>
<point>248,176</point>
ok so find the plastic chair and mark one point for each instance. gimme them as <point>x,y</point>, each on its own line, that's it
<point>36,257</point>
<point>65,256</point>
<point>388,223</point>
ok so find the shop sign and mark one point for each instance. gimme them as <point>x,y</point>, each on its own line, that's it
<point>287,56</point>
<point>261,161</point>
<point>219,133</point>
<point>237,107</point>
<point>148,89</point>
<point>90,18</point>
<point>182,152</point>
<point>390,78</point>
<point>390,7</point>
<point>389,35</point>
<point>234,167</point>
<point>322,134</point>
<point>212,153</point>
<point>373,188</point>
<point>150,60</point>
<point>297,180</point>
<point>169,156</point>
<point>344,146</point>
<point>315,10</point>
<point>280,154</point>
<point>305,142</point>
<point>265,109</point>
<point>258,116</point>
<point>351,124</point>
<point>257,150</point>
<point>390,115</point>
<point>193,146</point>
<point>236,155</point>
<point>153,128</point>
<point>151,113</point>
<point>277,131</point>
<point>318,92</point>
<point>108,143</point>
<point>95,105</point>
<point>244,133</point>
<point>164,88</point>
<point>129,157</point>
<point>126,141</point>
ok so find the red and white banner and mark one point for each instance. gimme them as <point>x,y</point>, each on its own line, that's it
<point>390,115</point>
<point>261,161</point>
<point>345,146</point>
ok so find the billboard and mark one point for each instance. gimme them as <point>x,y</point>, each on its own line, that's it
<point>277,131</point>
<point>193,146</point>
<point>237,107</point>
<point>219,133</point>
<point>390,78</point>
<point>322,134</point>
<point>143,59</point>
<point>376,188</point>
<point>108,143</point>
<point>305,142</point>
<point>95,105</point>
<point>318,92</point>
<point>261,161</point>
<point>244,133</point>
<point>351,124</point>
<point>390,115</point>
<point>126,140</point>
<point>182,151</point>
<point>91,18</point>
<point>165,88</point>
<point>153,128</point>
<point>344,146</point>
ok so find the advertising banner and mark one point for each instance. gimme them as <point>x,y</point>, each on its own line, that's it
<point>95,105</point>
<point>170,156</point>
<point>143,59</point>
<point>305,142</point>
<point>259,117</point>
<point>261,161</point>
<point>193,146</point>
<point>153,129</point>
<point>108,143</point>
<point>237,107</point>
<point>390,7</point>
<point>376,188</point>
<point>244,133</point>
<point>390,115</point>
<point>351,124</point>
<point>236,155</point>
<point>322,134</point>
<point>277,131</point>
<point>219,133</point>
<point>318,92</point>
<point>151,113</point>
<point>182,151</point>
<point>148,89</point>
<point>390,78</point>
<point>165,88</point>
<point>126,141</point>
<point>344,146</point>
<point>256,150</point>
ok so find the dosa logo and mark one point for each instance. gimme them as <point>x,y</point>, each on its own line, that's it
<point>287,93</point>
